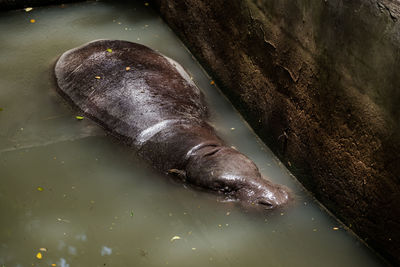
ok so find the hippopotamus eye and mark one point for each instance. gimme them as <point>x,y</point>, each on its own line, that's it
<point>264,203</point>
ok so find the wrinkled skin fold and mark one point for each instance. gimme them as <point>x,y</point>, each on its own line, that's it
<point>150,102</point>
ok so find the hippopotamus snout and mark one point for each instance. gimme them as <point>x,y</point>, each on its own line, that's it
<point>228,171</point>
<point>266,194</point>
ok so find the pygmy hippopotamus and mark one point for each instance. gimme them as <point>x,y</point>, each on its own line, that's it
<point>149,101</point>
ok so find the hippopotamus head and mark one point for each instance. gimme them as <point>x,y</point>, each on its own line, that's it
<point>226,170</point>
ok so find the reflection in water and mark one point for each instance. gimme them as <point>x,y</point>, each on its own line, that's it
<point>94,191</point>
<point>81,237</point>
<point>106,251</point>
<point>63,263</point>
<point>72,250</point>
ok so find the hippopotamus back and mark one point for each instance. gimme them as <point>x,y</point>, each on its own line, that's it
<point>130,86</point>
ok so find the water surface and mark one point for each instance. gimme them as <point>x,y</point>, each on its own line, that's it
<point>86,200</point>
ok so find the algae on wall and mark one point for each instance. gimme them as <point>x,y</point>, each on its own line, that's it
<point>319,82</point>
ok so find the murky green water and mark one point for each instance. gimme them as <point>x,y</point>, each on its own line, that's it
<point>85,198</point>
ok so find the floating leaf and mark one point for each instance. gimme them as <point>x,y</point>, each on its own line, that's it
<point>335,228</point>
<point>40,188</point>
<point>127,68</point>
<point>79,117</point>
<point>28,9</point>
<point>193,248</point>
<point>132,213</point>
<point>53,264</point>
<point>109,50</point>
<point>97,77</point>
<point>146,4</point>
<point>175,238</point>
<point>39,256</point>
<point>32,21</point>
<point>212,82</point>
<point>43,249</point>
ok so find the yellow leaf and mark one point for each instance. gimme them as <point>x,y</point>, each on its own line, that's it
<point>175,238</point>
<point>109,50</point>
<point>97,77</point>
<point>39,256</point>
<point>53,264</point>
<point>79,117</point>
<point>212,82</point>
<point>32,20</point>
<point>28,9</point>
<point>40,188</point>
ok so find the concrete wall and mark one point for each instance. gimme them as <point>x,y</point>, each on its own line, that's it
<point>319,81</point>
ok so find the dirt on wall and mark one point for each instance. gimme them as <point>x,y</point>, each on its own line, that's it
<point>319,82</point>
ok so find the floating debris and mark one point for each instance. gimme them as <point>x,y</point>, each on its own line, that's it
<point>106,251</point>
<point>228,213</point>
<point>146,4</point>
<point>109,50</point>
<point>232,129</point>
<point>32,21</point>
<point>63,220</point>
<point>28,9</point>
<point>97,77</point>
<point>39,256</point>
<point>79,117</point>
<point>193,249</point>
<point>127,68</point>
<point>43,249</point>
<point>143,253</point>
<point>40,188</point>
<point>175,238</point>
<point>212,82</point>
<point>335,228</point>
<point>132,213</point>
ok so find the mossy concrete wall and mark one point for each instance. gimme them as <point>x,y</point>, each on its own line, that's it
<point>319,81</point>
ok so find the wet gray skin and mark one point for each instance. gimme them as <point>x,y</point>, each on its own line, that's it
<point>148,101</point>
<point>228,171</point>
